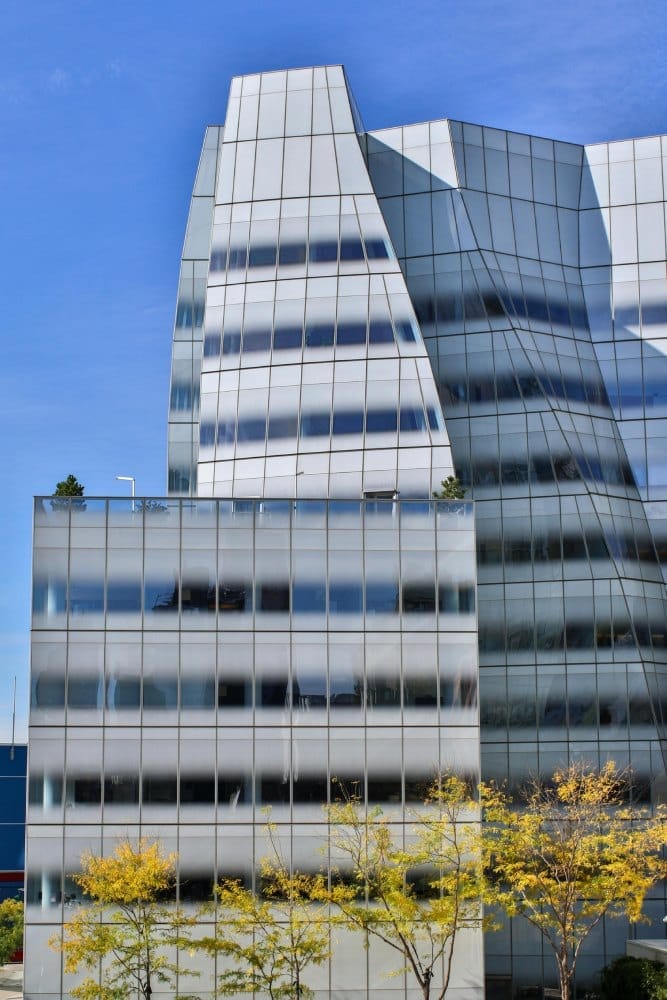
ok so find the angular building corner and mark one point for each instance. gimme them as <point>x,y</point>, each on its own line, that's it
<point>360,315</point>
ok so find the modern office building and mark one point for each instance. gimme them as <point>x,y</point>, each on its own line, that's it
<point>13,765</point>
<point>361,314</point>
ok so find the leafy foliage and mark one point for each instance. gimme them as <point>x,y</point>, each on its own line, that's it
<point>450,489</point>
<point>572,854</point>
<point>379,892</point>
<point>11,928</point>
<point>271,940</point>
<point>70,487</point>
<point>126,929</point>
<point>635,978</point>
<point>151,506</point>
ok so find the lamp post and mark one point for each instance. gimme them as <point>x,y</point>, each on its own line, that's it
<point>129,479</point>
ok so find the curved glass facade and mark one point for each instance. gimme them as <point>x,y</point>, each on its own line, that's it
<point>359,316</point>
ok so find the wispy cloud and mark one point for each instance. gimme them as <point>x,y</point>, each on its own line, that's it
<point>13,90</point>
<point>61,81</point>
<point>58,81</point>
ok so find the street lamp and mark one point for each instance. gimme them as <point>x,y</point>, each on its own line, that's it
<point>129,479</point>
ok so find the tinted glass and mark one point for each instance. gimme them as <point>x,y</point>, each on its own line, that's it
<point>381,332</point>
<point>351,250</point>
<point>351,333</point>
<point>212,345</point>
<point>292,253</point>
<point>282,427</point>
<point>412,420</point>
<point>251,430</point>
<point>376,249</point>
<point>159,790</point>
<point>233,596</point>
<point>231,343</point>
<point>315,424</point>
<point>344,598</point>
<point>323,252</point>
<point>123,597</point>
<point>381,420</point>
<point>418,597</point>
<point>320,335</point>
<point>286,337</point>
<point>218,260</point>
<point>233,693</point>
<point>308,598</point>
<point>406,332</point>
<point>264,256</point>
<point>350,422</point>
<point>237,257</point>
<point>257,340</point>
<point>381,598</point>
<point>273,597</point>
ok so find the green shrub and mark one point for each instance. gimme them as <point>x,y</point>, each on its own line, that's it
<point>633,979</point>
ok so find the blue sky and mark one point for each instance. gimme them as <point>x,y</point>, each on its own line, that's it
<point>102,111</point>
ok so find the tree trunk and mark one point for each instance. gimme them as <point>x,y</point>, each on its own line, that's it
<point>426,985</point>
<point>565,978</point>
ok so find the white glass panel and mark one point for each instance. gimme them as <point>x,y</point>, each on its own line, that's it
<point>624,235</point>
<point>271,115</point>
<point>651,232</point>
<point>248,117</point>
<point>321,112</point>
<point>324,177</point>
<point>299,112</point>
<point>268,168</point>
<point>352,171</point>
<point>296,168</point>
<point>245,161</point>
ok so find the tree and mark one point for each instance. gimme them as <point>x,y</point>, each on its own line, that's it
<point>70,487</point>
<point>450,489</point>
<point>274,939</point>
<point>11,928</point>
<point>415,898</point>
<point>635,978</point>
<point>126,929</point>
<point>571,854</point>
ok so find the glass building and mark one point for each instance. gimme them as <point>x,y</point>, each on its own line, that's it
<point>360,315</point>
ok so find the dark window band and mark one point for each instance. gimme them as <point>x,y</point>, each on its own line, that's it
<point>317,252</point>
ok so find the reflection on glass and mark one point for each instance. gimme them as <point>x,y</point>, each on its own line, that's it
<point>234,789</point>
<point>420,692</point>
<point>121,789</point>
<point>158,790</point>
<point>383,691</point>
<point>197,692</point>
<point>345,597</point>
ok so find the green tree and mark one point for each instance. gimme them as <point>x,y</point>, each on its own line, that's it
<point>633,979</point>
<point>573,852</point>
<point>11,928</point>
<point>418,897</point>
<point>67,488</point>
<point>272,938</point>
<point>126,929</point>
<point>450,489</point>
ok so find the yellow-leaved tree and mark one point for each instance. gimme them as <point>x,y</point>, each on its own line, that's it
<point>573,852</point>
<point>126,930</point>
<point>418,896</point>
<point>271,938</point>
<point>11,928</point>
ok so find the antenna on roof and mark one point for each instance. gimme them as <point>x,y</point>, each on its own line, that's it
<point>11,752</point>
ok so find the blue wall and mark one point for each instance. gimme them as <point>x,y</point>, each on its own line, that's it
<point>13,761</point>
